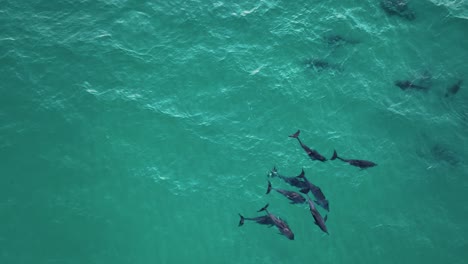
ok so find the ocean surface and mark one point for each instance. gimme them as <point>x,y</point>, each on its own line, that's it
<point>136,131</point>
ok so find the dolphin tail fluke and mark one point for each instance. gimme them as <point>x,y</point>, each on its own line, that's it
<point>264,208</point>
<point>241,221</point>
<point>269,187</point>
<point>295,135</point>
<point>335,155</point>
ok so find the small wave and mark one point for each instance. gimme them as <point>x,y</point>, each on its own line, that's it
<point>256,70</point>
<point>457,8</point>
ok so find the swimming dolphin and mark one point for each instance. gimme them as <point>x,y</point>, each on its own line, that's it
<point>363,164</point>
<point>263,220</point>
<point>404,85</point>
<point>319,221</point>
<point>293,196</point>
<point>321,64</point>
<point>338,40</point>
<point>397,7</point>
<point>313,154</point>
<point>317,192</point>
<point>452,90</point>
<point>280,224</point>
<point>293,181</point>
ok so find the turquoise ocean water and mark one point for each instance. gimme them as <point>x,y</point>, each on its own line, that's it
<point>136,131</point>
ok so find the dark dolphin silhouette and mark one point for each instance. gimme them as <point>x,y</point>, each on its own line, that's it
<point>313,154</point>
<point>405,85</point>
<point>280,224</point>
<point>319,221</point>
<point>452,90</point>
<point>263,220</point>
<point>363,164</point>
<point>338,40</point>
<point>321,64</point>
<point>293,196</point>
<point>397,7</point>
<point>317,192</point>
<point>295,181</point>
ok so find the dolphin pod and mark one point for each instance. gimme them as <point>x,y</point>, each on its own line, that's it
<point>400,9</point>
<point>304,185</point>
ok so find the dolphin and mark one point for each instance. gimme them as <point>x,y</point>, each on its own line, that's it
<point>280,224</point>
<point>293,196</point>
<point>313,154</point>
<point>317,192</point>
<point>452,90</point>
<point>319,221</point>
<point>321,64</point>
<point>293,181</point>
<point>363,164</point>
<point>397,7</point>
<point>263,220</point>
<point>338,40</point>
<point>404,85</point>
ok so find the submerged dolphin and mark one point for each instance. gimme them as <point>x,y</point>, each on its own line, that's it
<point>363,164</point>
<point>313,154</point>
<point>320,65</point>
<point>397,7</point>
<point>404,85</point>
<point>452,90</point>
<point>293,181</point>
<point>338,40</point>
<point>280,224</point>
<point>319,221</point>
<point>293,196</point>
<point>317,192</point>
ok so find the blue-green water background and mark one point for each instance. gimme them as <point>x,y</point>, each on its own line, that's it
<point>136,131</point>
